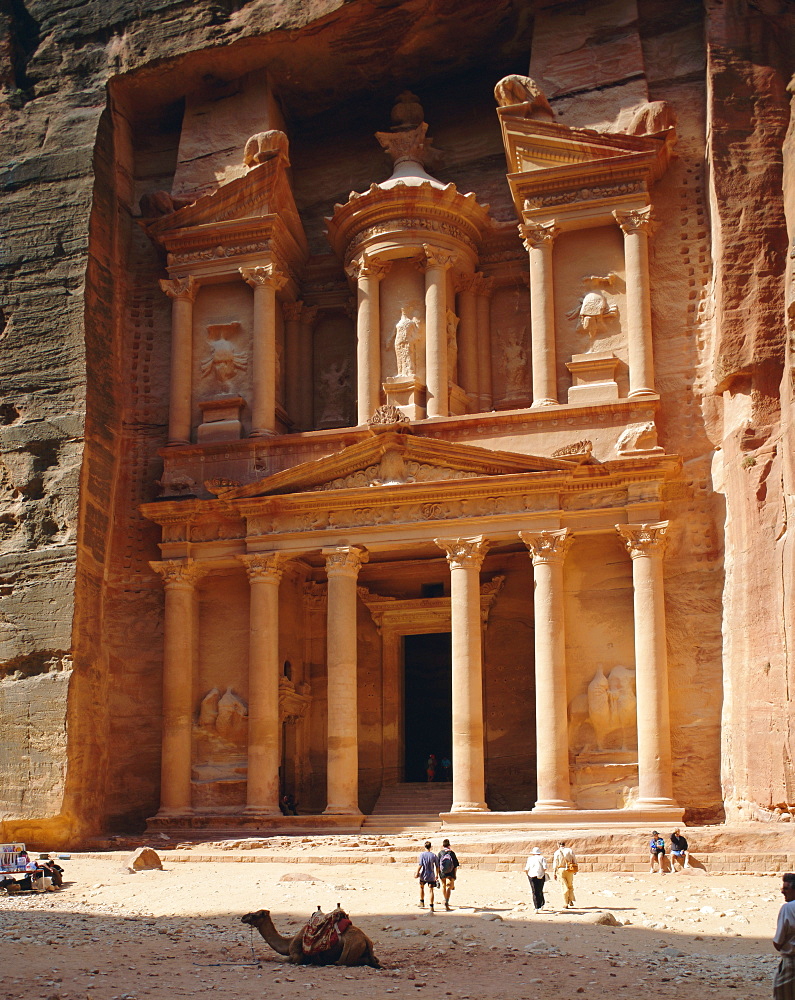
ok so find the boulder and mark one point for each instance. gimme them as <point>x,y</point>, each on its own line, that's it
<point>144,859</point>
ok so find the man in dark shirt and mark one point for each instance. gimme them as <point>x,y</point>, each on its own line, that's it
<point>448,868</point>
<point>679,850</point>
<point>428,873</point>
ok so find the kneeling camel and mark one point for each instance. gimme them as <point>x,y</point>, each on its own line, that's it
<point>353,946</point>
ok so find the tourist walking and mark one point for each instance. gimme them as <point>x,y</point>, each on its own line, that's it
<point>784,942</point>
<point>565,863</point>
<point>679,851</point>
<point>448,869</point>
<point>536,869</point>
<point>656,853</point>
<point>428,873</point>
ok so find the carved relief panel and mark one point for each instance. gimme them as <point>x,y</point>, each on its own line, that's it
<point>510,347</point>
<point>222,355</point>
<point>334,376</point>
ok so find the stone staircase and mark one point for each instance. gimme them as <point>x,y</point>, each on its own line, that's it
<point>410,806</point>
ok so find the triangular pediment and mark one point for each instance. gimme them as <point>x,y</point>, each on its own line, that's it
<point>395,458</point>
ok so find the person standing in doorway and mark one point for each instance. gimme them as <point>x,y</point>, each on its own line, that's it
<point>428,873</point>
<point>448,869</point>
<point>536,869</point>
<point>565,864</point>
<point>430,767</point>
<point>784,942</point>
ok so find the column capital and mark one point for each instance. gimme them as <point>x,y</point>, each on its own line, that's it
<point>309,314</point>
<point>482,285</point>
<point>636,220</point>
<point>644,539</point>
<point>464,553</point>
<point>264,566</point>
<point>367,267</point>
<point>466,281</point>
<point>179,573</point>
<point>268,276</point>
<point>536,235</point>
<point>180,288</point>
<point>345,560</point>
<point>292,311</point>
<point>437,257</point>
<point>547,546</point>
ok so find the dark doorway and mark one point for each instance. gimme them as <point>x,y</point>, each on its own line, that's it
<point>428,711</point>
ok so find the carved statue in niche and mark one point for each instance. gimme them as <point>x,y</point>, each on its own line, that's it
<point>606,715</point>
<point>335,384</point>
<point>406,335</point>
<point>452,346</point>
<point>225,359</point>
<point>594,312</point>
<point>225,715</point>
<point>515,364</point>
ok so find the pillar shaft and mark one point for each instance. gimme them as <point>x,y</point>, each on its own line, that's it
<point>467,336</point>
<point>465,556</point>
<point>637,226</point>
<point>485,391</point>
<point>306,368</point>
<point>548,550</point>
<point>265,281</point>
<point>175,764</point>
<point>368,274</point>
<point>646,545</point>
<point>436,374</point>
<point>342,566</point>
<point>182,292</point>
<point>295,375</point>
<point>538,241</point>
<point>264,726</point>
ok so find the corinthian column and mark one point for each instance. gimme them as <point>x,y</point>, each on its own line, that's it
<point>467,334</point>
<point>306,362</point>
<point>264,729</point>
<point>182,292</point>
<point>266,281</point>
<point>646,545</point>
<point>179,578</point>
<point>538,240</point>
<point>342,567</point>
<point>637,226</point>
<point>368,274</point>
<point>548,550</point>
<point>436,265</point>
<point>465,556</point>
<point>483,289</point>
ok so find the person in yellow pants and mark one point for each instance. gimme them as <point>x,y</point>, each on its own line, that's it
<point>565,864</point>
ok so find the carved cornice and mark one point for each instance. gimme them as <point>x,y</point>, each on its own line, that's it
<point>536,236</point>
<point>636,221</point>
<point>547,546</point>
<point>268,276</point>
<point>464,553</point>
<point>644,540</point>
<point>179,574</point>
<point>180,288</point>
<point>264,566</point>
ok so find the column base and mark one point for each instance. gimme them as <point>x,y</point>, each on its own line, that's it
<point>543,402</point>
<point>642,393</point>
<point>167,812</point>
<point>466,807</point>
<point>177,442</point>
<point>332,810</point>
<point>659,803</point>
<point>261,812</point>
<point>551,805</point>
<point>262,433</point>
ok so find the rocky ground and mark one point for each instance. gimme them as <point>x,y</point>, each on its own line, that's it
<point>155,935</point>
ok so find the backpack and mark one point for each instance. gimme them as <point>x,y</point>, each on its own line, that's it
<point>446,863</point>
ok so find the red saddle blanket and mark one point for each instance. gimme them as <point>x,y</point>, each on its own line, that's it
<point>323,931</point>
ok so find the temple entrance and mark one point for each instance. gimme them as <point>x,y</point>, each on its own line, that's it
<point>428,720</point>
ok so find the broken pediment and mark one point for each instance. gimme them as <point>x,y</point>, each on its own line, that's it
<point>394,458</point>
<point>556,169</point>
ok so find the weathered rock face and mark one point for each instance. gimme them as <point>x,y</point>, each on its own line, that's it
<point>100,108</point>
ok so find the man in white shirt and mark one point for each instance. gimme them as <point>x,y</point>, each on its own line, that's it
<point>784,942</point>
<point>536,869</point>
<point>563,861</point>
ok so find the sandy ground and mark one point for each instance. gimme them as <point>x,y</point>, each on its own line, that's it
<point>113,935</point>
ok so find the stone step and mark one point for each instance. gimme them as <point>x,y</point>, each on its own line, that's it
<point>427,799</point>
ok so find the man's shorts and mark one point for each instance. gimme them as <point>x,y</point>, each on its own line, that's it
<point>428,881</point>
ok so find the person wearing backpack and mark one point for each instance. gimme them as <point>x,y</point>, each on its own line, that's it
<point>448,868</point>
<point>564,861</point>
<point>656,853</point>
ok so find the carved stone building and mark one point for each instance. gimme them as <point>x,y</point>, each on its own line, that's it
<point>422,467</point>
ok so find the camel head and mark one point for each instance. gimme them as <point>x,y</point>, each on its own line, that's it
<point>256,917</point>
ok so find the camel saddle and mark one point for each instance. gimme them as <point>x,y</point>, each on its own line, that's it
<point>322,931</point>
